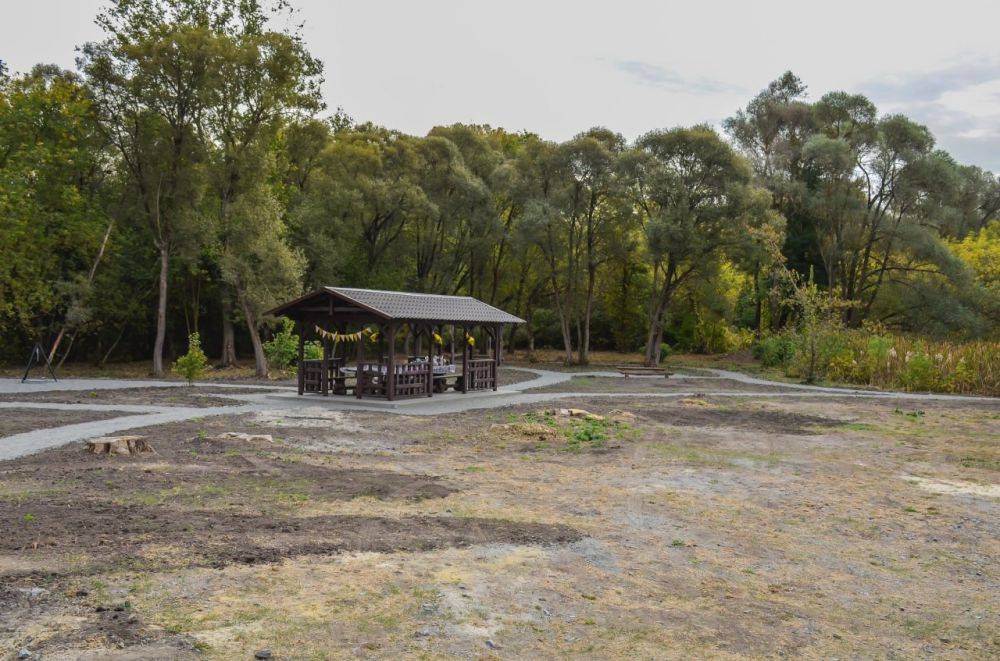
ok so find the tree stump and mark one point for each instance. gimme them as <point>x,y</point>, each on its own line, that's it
<point>120,445</point>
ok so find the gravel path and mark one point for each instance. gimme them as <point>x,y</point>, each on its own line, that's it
<point>286,398</point>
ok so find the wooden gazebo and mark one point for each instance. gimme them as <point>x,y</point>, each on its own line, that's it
<point>371,323</point>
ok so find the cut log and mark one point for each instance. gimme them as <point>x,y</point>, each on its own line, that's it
<point>121,445</point>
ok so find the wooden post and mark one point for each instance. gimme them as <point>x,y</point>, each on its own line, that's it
<point>359,378</point>
<point>302,356</point>
<point>496,355</point>
<point>324,376</point>
<point>499,344</point>
<point>453,344</point>
<point>428,330</point>
<point>390,366</point>
<point>465,362</point>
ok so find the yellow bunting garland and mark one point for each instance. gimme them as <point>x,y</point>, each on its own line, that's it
<point>346,337</point>
<point>471,340</point>
<point>438,339</point>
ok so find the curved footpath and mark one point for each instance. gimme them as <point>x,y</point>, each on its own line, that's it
<point>285,398</point>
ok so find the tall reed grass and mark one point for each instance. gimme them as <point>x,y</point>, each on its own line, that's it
<point>889,361</point>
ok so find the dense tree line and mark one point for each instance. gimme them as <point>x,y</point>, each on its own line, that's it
<point>187,177</point>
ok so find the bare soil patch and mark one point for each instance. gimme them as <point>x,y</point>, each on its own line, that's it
<point>128,533</point>
<point>238,498</point>
<point>193,466</point>
<point>17,421</point>
<point>705,413</point>
<point>195,396</point>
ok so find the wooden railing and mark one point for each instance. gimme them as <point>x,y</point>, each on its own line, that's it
<point>413,380</point>
<point>407,380</point>
<point>480,374</point>
<point>311,374</point>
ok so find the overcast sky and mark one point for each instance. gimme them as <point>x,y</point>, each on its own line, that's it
<point>559,67</point>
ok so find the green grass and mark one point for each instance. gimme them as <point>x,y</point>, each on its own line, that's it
<point>860,426</point>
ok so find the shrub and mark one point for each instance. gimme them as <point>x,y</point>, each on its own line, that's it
<point>283,349</point>
<point>194,363</point>
<point>664,351</point>
<point>774,350</point>
<point>919,372</point>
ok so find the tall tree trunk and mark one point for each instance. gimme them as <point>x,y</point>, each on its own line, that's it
<point>588,312</point>
<point>564,326</point>
<point>652,355</point>
<point>161,312</point>
<point>259,357</point>
<point>90,281</point>
<point>228,358</point>
<point>758,300</point>
<point>657,311</point>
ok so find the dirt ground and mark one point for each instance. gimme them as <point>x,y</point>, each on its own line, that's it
<point>702,526</point>
<point>17,421</point>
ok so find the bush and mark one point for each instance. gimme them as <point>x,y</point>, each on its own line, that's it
<point>194,363</point>
<point>282,350</point>
<point>664,351</point>
<point>774,350</point>
<point>919,372</point>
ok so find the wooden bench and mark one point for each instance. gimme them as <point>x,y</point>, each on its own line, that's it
<point>642,370</point>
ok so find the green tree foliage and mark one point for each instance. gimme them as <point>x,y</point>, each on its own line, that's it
<point>53,202</point>
<point>698,206</point>
<point>187,180</point>
<point>869,202</point>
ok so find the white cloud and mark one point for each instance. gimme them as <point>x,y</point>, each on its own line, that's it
<point>655,75</point>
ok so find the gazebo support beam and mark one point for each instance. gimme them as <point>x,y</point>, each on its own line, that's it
<point>390,365</point>
<point>497,334</point>
<point>302,356</point>
<point>324,377</point>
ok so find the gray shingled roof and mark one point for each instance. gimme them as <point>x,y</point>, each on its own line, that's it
<point>407,305</point>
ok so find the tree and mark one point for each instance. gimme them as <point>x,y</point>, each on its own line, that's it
<point>260,79</point>
<point>150,80</point>
<point>443,231</point>
<point>591,160</point>
<point>53,205</point>
<point>554,233</point>
<point>867,198</point>
<point>697,204</point>
<point>258,262</point>
<point>365,187</point>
